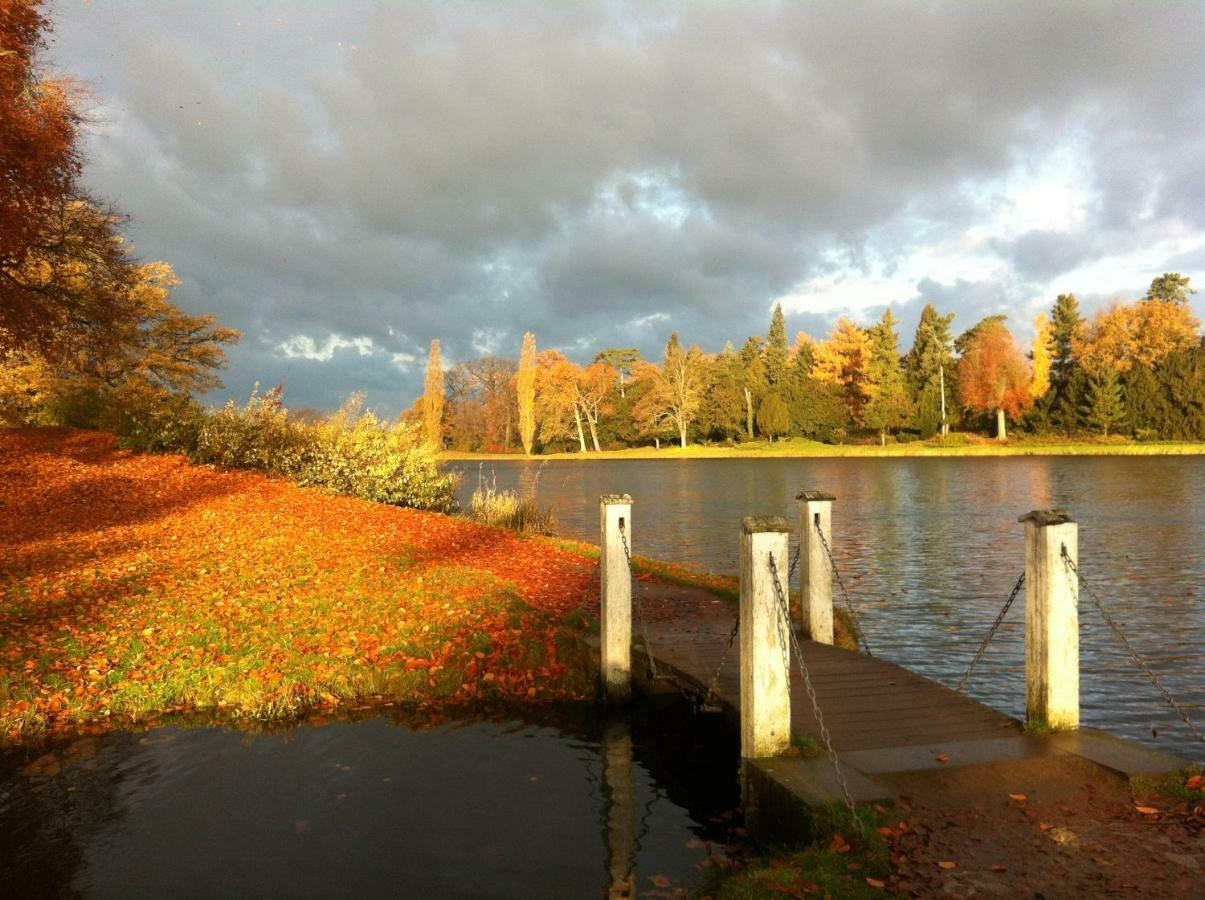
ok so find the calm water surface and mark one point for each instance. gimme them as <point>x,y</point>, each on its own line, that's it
<point>930,548</point>
<point>376,807</point>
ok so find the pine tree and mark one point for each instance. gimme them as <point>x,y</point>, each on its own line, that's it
<point>1104,407</point>
<point>433,398</point>
<point>753,381</point>
<point>722,415</point>
<point>776,349</point>
<point>1146,403</point>
<point>888,407</point>
<point>929,365</point>
<point>1171,287</point>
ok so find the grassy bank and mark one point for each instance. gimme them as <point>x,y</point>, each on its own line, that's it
<point>798,447</point>
<point>135,584</point>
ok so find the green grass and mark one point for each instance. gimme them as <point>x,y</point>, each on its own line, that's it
<point>973,445</point>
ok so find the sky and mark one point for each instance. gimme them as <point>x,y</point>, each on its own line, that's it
<point>346,181</point>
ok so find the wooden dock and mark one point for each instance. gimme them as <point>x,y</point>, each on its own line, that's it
<point>884,719</point>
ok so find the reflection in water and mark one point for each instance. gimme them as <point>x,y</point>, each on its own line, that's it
<point>559,803</point>
<point>930,548</point>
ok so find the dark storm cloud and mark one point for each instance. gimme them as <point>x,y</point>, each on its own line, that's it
<point>604,173</point>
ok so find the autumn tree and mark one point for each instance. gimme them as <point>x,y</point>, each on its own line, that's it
<point>39,167</point>
<point>992,375</point>
<point>1142,333</point>
<point>1042,356</point>
<point>675,390</point>
<point>929,369</point>
<point>525,392</point>
<point>622,360</point>
<point>843,359</point>
<point>557,409</point>
<point>433,397</point>
<point>481,403</point>
<point>596,384</point>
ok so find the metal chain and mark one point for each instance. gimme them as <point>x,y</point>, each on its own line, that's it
<point>853,613</point>
<point>785,613</point>
<point>715,677</point>
<point>795,561</point>
<point>644,629</point>
<point>991,632</point>
<point>1072,568</point>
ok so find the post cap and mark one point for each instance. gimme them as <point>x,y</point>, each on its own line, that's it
<point>609,499</point>
<point>760,524</point>
<point>1045,517</point>
<point>815,495</point>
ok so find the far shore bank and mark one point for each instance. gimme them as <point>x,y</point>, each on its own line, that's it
<point>811,449</point>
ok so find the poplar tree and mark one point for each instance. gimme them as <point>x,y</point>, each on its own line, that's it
<point>928,366</point>
<point>525,390</point>
<point>433,397</point>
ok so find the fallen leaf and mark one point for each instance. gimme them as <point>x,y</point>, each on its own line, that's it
<point>941,758</point>
<point>1045,826</point>
<point>1017,797</point>
<point>839,844</point>
<point>660,880</point>
<point>875,883</point>
<point>1147,810</point>
<point>947,864</point>
<point>1196,783</point>
<point>996,867</point>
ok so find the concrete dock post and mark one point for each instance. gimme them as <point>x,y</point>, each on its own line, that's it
<point>765,681</point>
<point>619,808</point>
<point>1051,620</point>
<point>615,612</point>
<point>815,567</point>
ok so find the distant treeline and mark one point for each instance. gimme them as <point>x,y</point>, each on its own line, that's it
<point>1136,369</point>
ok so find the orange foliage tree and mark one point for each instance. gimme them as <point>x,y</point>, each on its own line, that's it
<point>1143,333</point>
<point>992,375</point>
<point>844,359</point>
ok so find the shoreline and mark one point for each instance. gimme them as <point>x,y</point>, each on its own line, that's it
<point>810,450</point>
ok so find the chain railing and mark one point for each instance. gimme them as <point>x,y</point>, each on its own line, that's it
<point>991,632</point>
<point>1076,577</point>
<point>849,606</point>
<point>784,611</point>
<point>704,704</point>
<point>639,607</point>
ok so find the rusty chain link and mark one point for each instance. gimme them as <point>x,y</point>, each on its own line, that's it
<point>991,632</point>
<point>1072,569</point>
<point>784,610</point>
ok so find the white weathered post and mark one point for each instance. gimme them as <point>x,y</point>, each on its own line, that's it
<point>615,610</point>
<point>765,681</point>
<point>815,567</point>
<point>1051,620</point>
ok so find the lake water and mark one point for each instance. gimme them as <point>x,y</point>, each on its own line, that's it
<point>930,548</point>
<point>557,803</point>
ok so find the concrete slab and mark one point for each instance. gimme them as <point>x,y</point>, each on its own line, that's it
<point>813,781</point>
<point>1127,758</point>
<point>923,757</point>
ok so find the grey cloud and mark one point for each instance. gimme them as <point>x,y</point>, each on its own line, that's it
<point>409,171</point>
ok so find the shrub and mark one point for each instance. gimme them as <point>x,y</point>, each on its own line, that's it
<point>506,509</point>
<point>352,452</point>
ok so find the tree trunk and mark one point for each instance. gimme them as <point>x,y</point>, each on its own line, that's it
<point>593,432</point>
<point>581,435</point>
<point>749,413</point>
<point>882,438</point>
<point>1001,430</point>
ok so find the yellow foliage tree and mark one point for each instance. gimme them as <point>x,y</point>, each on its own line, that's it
<point>1143,333</point>
<point>1043,355</point>
<point>525,389</point>
<point>433,397</point>
<point>843,358</point>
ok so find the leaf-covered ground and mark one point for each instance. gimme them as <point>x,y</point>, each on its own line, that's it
<point>133,584</point>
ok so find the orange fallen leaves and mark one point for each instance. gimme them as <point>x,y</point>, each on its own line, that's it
<point>133,584</point>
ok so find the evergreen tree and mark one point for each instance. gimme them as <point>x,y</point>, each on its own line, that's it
<point>889,406</point>
<point>1170,286</point>
<point>1146,402</point>
<point>776,349</point>
<point>1104,408</point>
<point>1183,377</point>
<point>928,364</point>
<point>753,380</point>
<point>773,417</point>
<point>722,415</point>
<point>1062,402</point>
